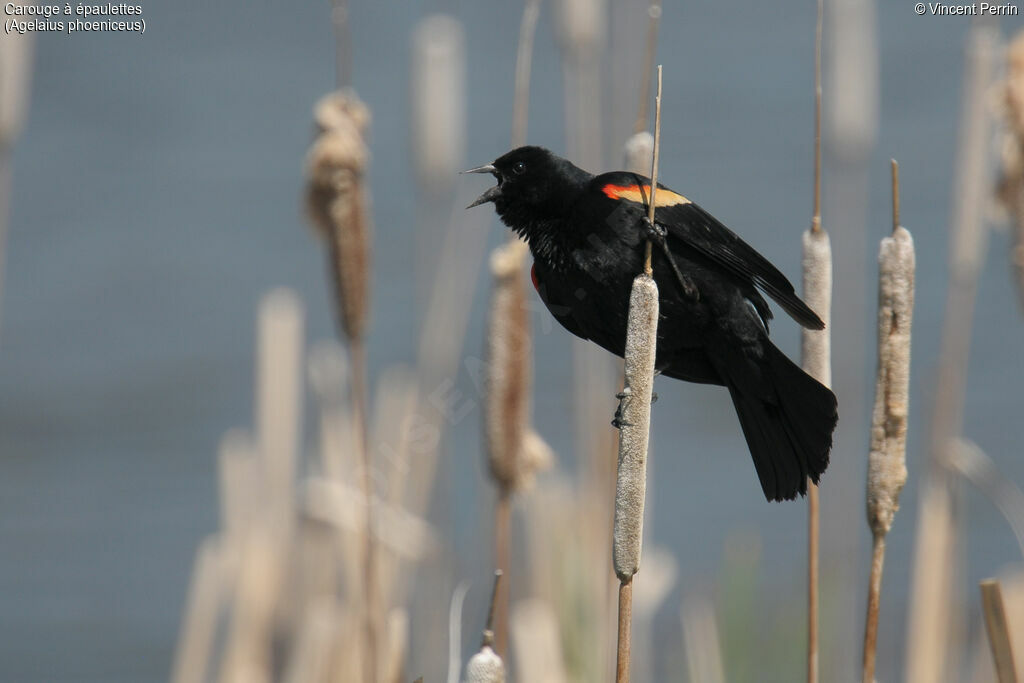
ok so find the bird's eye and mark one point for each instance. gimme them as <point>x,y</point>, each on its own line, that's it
<point>519,168</point>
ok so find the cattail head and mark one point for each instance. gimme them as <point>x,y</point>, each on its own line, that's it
<point>638,152</point>
<point>342,108</point>
<point>337,206</point>
<point>631,483</point>
<point>514,451</point>
<point>581,26</point>
<point>485,667</point>
<point>15,57</point>
<point>1011,185</point>
<point>887,469</point>
<point>438,101</point>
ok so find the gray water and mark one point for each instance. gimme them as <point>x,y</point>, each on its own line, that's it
<point>156,197</point>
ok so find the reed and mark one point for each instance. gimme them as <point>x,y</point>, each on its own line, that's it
<point>486,666</point>
<point>816,348</point>
<point>634,432</point>
<point>1011,186</point>
<point>997,627</point>
<point>513,451</point>
<point>930,649</point>
<point>15,76</point>
<point>887,466</point>
<point>337,205</point>
<point>438,102</point>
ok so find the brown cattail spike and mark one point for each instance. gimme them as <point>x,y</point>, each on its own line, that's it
<point>1011,185</point>
<point>337,206</point>
<point>887,469</point>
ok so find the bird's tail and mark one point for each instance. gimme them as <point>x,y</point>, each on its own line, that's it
<point>788,419</point>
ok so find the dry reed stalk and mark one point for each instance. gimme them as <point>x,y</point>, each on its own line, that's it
<point>930,650</point>
<point>1011,186</point>
<point>486,666</point>
<point>972,463</point>
<point>581,29</point>
<point>634,432</point>
<point>524,60</point>
<point>535,631</point>
<point>700,638</point>
<point>241,481</point>
<point>199,624</point>
<point>247,652</point>
<point>336,201</point>
<point>438,101</point>
<point>998,630</point>
<point>650,47</point>
<point>816,352</point>
<point>342,43</point>
<point>509,365</point>
<point>660,572</point>
<point>15,74</point>
<point>887,460</point>
<point>327,371</point>
<point>279,399</point>
<point>311,655</point>
<point>455,631</point>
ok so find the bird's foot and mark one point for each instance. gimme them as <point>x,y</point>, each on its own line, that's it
<point>617,420</point>
<point>623,395</point>
<point>654,232</point>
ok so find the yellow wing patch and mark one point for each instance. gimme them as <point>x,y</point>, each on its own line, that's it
<point>641,195</point>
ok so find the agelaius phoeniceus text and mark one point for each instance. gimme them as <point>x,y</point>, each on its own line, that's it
<point>587,234</point>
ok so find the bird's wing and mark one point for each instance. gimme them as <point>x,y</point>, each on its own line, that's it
<point>688,225</point>
<point>696,228</point>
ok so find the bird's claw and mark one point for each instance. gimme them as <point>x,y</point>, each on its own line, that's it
<point>654,231</point>
<point>617,420</point>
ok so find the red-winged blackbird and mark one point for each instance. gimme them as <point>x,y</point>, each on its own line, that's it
<point>587,234</point>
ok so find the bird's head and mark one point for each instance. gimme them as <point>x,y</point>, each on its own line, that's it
<point>533,184</point>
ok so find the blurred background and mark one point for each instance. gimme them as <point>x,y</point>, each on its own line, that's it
<point>156,195</point>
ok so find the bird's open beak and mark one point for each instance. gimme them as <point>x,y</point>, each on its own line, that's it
<point>491,194</point>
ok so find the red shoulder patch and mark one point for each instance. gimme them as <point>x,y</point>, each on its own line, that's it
<point>642,194</point>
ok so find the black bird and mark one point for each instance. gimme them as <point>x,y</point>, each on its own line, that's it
<point>587,235</point>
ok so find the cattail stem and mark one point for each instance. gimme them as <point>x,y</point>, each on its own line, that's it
<point>524,60</point>
<point>486,666</point>
<point>874,595</point>
<point>887,470</point>
<point>813,574</point>
<point>634,431</point>
<point>651,45</point>
<point>357,358</point>
<point>929,646</point>
<point>624,627</point>
<point>509,367</point>
<point>998,631</point>
<point>816,221</point>
<point>816,349</point>
<point>654,173</point>
<point>631,483</point>
<point>342,43</point>
<point>502,542</point>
